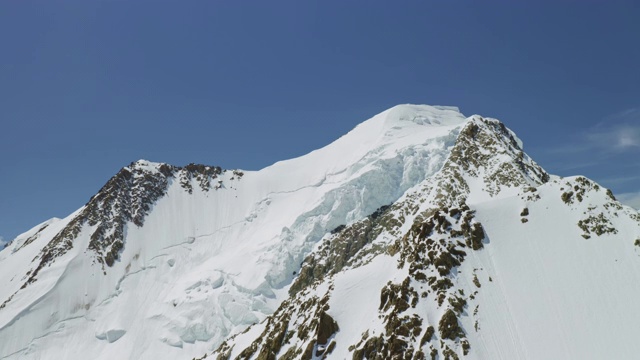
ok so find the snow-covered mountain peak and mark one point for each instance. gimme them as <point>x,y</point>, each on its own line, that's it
<point>408,120</point>
<point>400,130</point>
<point>169,262</point>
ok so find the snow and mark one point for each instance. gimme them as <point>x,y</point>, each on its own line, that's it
<point>555,294</point>
<point>356,296</point>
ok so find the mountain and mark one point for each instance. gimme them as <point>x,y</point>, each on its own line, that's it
<point>420,234</point>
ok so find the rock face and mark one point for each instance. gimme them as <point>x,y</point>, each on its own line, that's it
<point>421,234</point>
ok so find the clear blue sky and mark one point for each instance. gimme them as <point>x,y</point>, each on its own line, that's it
<point>88,86</point>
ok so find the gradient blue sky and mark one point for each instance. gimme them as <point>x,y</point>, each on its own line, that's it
<point>88,86</point>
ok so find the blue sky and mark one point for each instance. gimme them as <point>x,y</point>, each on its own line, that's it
<point>86,87</point>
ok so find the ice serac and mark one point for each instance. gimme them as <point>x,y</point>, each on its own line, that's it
<point>167,261</point>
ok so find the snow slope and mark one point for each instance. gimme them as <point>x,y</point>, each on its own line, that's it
<point>551,286</point>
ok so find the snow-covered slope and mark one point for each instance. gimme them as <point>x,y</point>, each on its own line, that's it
<point>420,232</point>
